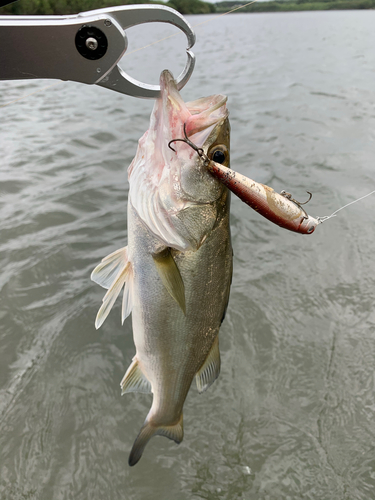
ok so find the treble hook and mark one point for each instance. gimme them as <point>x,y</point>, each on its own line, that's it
<point>200,151</point>
<point>298,203</point>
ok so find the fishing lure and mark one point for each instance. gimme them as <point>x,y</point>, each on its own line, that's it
<point>279,208</point>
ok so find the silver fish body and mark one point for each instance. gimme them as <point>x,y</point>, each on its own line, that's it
<point>176,270</point>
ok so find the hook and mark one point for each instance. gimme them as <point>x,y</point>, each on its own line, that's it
<point>298,203</point>
<point>200,151</point>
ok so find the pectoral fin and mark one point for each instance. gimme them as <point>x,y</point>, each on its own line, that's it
<point>134,380</point>
<point>171,277</point>
<point>210,369</point>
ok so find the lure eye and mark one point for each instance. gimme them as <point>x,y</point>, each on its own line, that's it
<point>311,229</point>
<point>219,154</point>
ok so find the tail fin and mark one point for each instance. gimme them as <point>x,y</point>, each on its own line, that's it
<point>174,432</point>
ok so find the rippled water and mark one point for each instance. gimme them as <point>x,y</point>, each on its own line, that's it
<point>292,413</point>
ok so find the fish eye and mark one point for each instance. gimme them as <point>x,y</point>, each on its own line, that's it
<point>311,229</point>
<point>219,154</point>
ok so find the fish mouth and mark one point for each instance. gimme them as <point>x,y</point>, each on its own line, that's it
<point>197,117</point>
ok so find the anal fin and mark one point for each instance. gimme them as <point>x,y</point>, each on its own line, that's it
<point>134,380</point>
<point>210,369</point>
<point>171,277</point>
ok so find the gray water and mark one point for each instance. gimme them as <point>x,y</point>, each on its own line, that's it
<point>292,413</point>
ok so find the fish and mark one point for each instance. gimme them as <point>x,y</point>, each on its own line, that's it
<point>281,209</point>
<point>176,269</point>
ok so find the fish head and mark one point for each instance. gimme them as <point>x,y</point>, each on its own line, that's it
<point>180,174</point>
<point>205,123</point>
<point>196,181</point>
<point>165,182</point>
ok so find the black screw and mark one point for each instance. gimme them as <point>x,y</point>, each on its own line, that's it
<point>91,42</point>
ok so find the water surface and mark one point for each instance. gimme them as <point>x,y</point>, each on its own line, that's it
<point>292,413</point>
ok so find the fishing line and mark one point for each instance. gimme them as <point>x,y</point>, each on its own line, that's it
<point>32,93</point>
<point>325,218</point>
<point>225,13</point>
<point>320,219</point>
<point>194,26</point>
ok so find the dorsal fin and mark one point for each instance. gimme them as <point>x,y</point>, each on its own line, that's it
<point>171,277</point>
<point>210,369</point>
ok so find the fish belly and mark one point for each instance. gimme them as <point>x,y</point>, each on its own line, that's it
<point>170,346</point>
